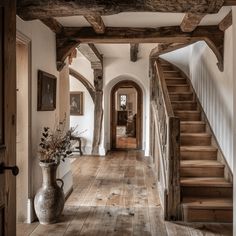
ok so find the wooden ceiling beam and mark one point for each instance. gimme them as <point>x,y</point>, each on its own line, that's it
<point>72,37</point>
<point>191,21</point>
<point>96,22</point>
<point>92,54</point>
<point>134,52</point>
<point>53,24</point>
<point>171,34</point>
<point>31,9</point>
<point>226,22</point>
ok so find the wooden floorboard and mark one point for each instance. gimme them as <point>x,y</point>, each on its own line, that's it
<point>116,195</point>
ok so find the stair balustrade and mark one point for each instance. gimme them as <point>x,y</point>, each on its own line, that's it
<point>166,128</point>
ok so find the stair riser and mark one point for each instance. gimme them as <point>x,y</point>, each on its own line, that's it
<point>192,128</point>
<point>171,74</point>
<point>217,192</point>
<point>195,141</point>
<point>175,81</point>
<point>201,155</point>
<point>189,116</point>
<point>208,215</point>
<point>185,106</point>
<point>181,97</point>
<point>202,172</point>
<point>182,88</point>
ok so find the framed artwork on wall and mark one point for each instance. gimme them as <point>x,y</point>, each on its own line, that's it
<point>76,103</point>
<point>47,89</point>
<point>1,82</point>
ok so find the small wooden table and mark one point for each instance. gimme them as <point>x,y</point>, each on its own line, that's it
<point>78,139</point>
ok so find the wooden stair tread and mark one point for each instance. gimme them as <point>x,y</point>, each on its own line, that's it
<point>198,148</point>
<point>177,85</point>
<point>187,111</point>
<point>192,122</point>
<point>208,203</point>
<point>195,135</point>
<point>183,102</point>
<point>201,163</point>
<point>184,93</point>
<point>205,181</point>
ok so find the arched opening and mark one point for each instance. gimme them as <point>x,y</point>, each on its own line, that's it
<point>126,115</point>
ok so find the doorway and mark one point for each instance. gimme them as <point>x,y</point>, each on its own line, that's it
<point>126,115</point>
<point>23,126</point>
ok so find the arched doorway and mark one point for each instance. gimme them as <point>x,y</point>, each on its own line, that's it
<point>126,115</point>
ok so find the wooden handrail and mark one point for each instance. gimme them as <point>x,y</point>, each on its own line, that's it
<point>168,126</point>
<point>167,104</point>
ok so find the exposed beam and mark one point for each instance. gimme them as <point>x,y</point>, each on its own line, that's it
<point>134,52</point>
<point>53,24</point>
<point>191,21</point>
<point>96,22</point>
<point>84,81</point>
<point>226,22</point>
<point>229,2</point>
<point>92,54</point>
<point>72,37</point>
<point>31,9</point>
<point>172,34</point>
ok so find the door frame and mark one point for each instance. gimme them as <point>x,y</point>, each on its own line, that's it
<point>23,39</point>
<point>139,117</point>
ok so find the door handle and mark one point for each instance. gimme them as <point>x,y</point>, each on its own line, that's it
<point>14,169</point>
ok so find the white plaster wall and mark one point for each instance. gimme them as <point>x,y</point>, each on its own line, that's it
<point>118,69</point>
<point>215,91</point>
<point>43,57</point>
<point>234,118</point>
<point>180,58</point>
<point>84,124</point>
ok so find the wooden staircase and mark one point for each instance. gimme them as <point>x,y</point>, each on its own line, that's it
<point>206,194</point>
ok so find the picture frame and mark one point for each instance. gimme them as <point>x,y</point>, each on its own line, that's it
<point>47,89</point>
<point>76,103</point>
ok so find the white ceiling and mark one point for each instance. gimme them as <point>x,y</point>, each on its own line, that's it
<point>143,19</point>
<point>122,50</point>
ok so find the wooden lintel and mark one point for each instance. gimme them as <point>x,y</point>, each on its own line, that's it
<point>92,54</point>
<point>53,24</point>
<point>171,34</point>
<point>72,37</point>
<point>31,9</point>
<point>84,81</point>
<point>226,22</point>
<point>96,22</point>
<point>134,52</point>
<point>191,21</point>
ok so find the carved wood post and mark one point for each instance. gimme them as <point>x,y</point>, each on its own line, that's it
<point>98,110</point>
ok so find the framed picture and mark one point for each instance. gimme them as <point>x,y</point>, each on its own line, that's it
<point>47,88</point>
<point>1,82</point>
<point>76,103</point>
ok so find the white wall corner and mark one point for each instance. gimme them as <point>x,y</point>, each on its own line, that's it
<point>234,118</point>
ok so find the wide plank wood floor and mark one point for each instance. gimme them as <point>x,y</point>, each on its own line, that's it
<point>116,195</point>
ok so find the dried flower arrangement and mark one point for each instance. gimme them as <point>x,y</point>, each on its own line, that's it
<point>55,145</point>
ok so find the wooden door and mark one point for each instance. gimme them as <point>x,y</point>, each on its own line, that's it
<point>7,117</point>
